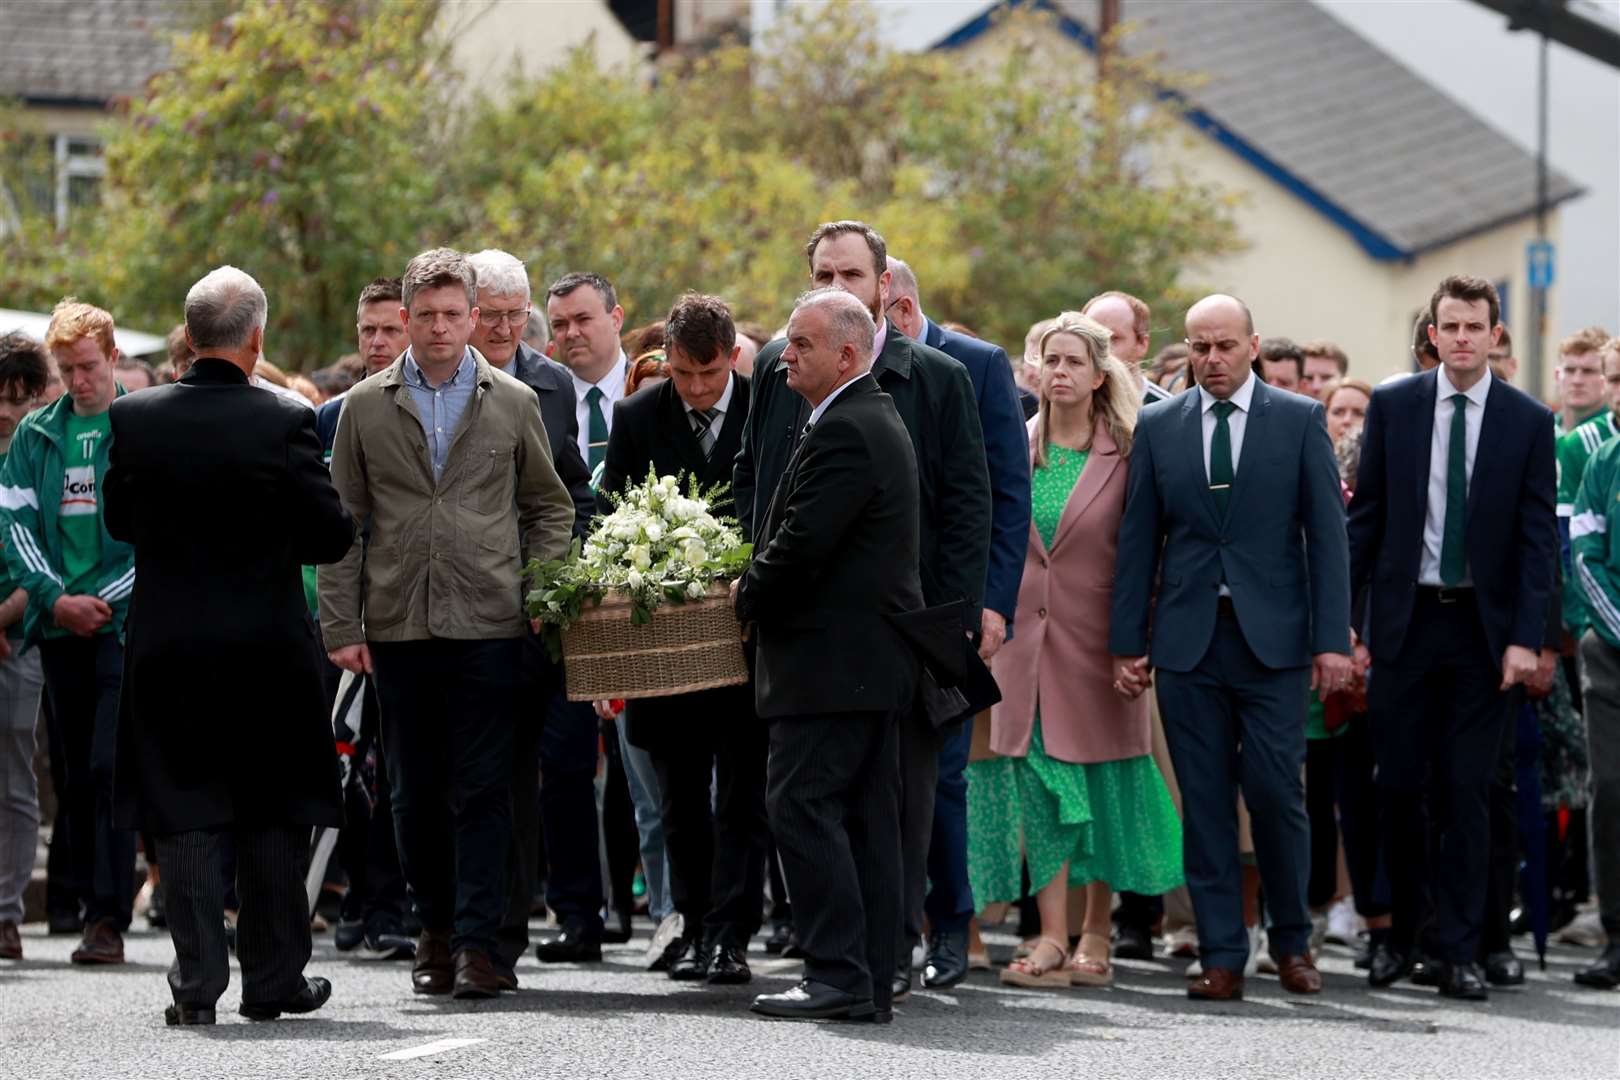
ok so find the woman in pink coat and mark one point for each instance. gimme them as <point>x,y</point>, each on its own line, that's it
<point>1074,794</point>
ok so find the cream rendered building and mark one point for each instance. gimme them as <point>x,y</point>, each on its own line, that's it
<point>1360,184</point>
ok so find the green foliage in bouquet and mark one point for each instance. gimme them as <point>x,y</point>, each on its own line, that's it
<point>659,545</point>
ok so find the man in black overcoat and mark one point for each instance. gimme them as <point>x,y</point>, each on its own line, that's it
<point>223,729</point>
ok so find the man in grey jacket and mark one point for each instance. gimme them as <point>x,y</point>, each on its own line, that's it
<point>448,457</point>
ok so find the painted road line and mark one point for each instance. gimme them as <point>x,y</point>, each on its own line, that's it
<point>428,1049</point>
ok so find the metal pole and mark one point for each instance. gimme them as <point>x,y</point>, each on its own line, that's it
<point>1538,293</point>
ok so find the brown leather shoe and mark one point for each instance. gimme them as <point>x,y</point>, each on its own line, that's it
<point>10,942</point>
<point>433,972</point>
<point>1217,984</point>
<point>1298,975</point>
<point>475,976</point>
<point>102,944</point>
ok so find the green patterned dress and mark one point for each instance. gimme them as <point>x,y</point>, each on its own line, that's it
<point>1112,821</point>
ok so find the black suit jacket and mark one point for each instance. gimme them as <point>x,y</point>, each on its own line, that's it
<point>651,427</point>
<point>835,555</point>
<point>555,388</point>
<point>220,487</point>
<point>1512,527</point>
<point>934,398</point>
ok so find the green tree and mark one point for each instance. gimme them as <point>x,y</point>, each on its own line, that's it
<point>294,138</point>
<point>1017,187</point>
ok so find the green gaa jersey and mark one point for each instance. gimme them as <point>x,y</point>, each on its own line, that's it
<point>1594,530</point>
<point>1574,450</point>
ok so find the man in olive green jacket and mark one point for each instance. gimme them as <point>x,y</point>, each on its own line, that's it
<point>447,458</point>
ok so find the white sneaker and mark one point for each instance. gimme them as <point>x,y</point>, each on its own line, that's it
<point>668,930</point>
<point>1586,930</point>
<point>1259,959</point>
<point>1343,924</point>
<point>1182,941</point>
<point>1195,969</point>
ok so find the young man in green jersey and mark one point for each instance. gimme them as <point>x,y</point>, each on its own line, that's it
<point>1586,421</point>
<point>1595,524</point>
<point>78,580</point>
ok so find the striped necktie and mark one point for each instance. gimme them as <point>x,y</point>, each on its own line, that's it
<point>703,428</point>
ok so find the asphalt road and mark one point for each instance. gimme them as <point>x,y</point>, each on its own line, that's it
<point>615,1020</point>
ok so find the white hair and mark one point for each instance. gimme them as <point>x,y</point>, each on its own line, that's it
<point>902,281</point>
<point>223,308</point>
<point>500,272</point>
<point>848,323</point>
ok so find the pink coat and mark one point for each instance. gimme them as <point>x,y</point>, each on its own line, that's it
<point>1059,654</point>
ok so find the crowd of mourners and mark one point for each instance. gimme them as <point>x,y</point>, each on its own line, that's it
<point>1273,653</point>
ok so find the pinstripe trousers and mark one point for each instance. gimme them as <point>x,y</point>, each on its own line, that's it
<point>833,793</point>
<point>272,925</point>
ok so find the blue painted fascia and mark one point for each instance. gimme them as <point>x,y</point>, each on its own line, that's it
<point>1371,241</point>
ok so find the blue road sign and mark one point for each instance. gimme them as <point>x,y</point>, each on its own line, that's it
<point>1541,259</point>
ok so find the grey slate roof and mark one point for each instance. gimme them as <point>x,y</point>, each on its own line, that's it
<point>81,51</point>
<point>1309,101</point>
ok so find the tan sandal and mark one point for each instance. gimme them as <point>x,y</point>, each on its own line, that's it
<point>1024,948</point>
<point>1088,968</point>
<point>1028,971</point>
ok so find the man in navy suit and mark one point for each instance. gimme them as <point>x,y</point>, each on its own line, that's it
<point>1454,536</point>
<point>1232,570</point>
<point>949,904</point>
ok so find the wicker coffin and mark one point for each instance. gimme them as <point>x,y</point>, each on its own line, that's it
<point>692,646</point>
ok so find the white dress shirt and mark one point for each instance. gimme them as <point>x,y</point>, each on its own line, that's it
<point>612,387</point>
<point>1434,515</point>
<point>1235,423</point>
<point>719,408</point>
<point>815,413</point>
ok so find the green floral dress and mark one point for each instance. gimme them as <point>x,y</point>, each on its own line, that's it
<point>1112,821</point>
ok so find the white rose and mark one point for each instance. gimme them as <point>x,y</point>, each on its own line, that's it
<point>655,532</point>
<point>696,590</point>
<point>639,556</point>
<point>696,554</point>
<point>634,579</point>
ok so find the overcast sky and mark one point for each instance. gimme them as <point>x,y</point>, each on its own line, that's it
<point>1467,50</point>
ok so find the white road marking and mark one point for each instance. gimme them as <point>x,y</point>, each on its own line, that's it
<point>427,1049</point>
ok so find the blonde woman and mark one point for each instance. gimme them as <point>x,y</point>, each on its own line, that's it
<point>1075,792</point>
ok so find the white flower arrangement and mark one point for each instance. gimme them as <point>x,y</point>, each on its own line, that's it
<point>659,544</point>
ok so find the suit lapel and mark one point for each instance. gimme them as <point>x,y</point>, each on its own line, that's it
<point>1094,477</point>
<point>1490,428</point>
<point>1255,427</point>
<point>1420,429</point>
<point>729,438</point>
<point>1192,451</point>
<point>678,429</point>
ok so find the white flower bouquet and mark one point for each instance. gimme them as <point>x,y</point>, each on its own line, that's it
<point>659,545</point>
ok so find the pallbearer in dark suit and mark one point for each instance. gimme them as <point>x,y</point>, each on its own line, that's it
<point>836,553</point>
<point>1454,535</point>
<point>220,488</point>
<point>1233,549</point>
<point>691,426</point>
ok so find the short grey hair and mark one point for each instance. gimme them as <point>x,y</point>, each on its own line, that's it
<point>902,282</point>
<point>501,272</point>
<point>434,269</point>
<point>538,330</point>
<point>224,308</point>
<point>848,321</point>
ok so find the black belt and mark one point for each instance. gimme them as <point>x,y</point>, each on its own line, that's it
<point>1446,594</point>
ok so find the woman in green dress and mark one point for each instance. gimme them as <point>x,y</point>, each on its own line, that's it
<point>1075,793</point>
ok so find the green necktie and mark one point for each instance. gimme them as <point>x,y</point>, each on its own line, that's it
<point>597,431</point>
<point>1220,457</point>
<point>1453,559</point>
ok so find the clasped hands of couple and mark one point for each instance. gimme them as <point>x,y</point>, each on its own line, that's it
<point>1333,672</point>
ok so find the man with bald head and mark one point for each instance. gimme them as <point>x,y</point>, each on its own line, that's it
<point>837,554</point>
<point>1232,580</point>
<point>1130,327</point>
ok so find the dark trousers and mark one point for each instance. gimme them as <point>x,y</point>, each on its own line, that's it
<point>447,726</point>
<point>82,678</point>
<point>1600,693</point>
<point>949,903</point>
<point>63,895</point>
<point>367,848</point>
<point>540,681</point>
<point>1495,934</point>
<point>1358,819</point>
<point>919,743</point>
<point>1232,723</point>
<point>1321,801</point>
<point>712,801</point>
<point>833,794</point>
<point>272,927</point>
<point>1437,716</point>
<point>570,746</point>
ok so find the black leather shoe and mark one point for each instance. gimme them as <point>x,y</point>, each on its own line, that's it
<point>178,1015</point>
<point>947,959</point>
<point>728,966</point>
<point>781,937</point>
<point>573,944</point>
<point>1425,972</point>
<point>901,988</point>
<point>812,1000</point>
<point>687,963</point>
<point>1504,969</point>
<point>476,978</point>
<point>1462,981</point>
<point>1132,943</point>
<point>1605,973</point>
<point>311,996</point>
<point>1387,967</point>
